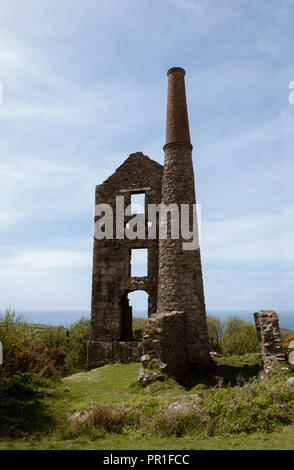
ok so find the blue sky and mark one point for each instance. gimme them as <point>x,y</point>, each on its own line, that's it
<point>84,85</point>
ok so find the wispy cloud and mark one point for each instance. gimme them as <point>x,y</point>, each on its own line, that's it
<point>205,14</point>
<point>48,259</point>
<point>260,241</point>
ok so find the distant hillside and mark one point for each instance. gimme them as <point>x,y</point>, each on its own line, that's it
<point>284,333</point>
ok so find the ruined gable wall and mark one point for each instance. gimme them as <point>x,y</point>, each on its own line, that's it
<point>111,279</point>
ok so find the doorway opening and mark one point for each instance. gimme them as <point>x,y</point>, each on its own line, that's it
<point>134,315</point>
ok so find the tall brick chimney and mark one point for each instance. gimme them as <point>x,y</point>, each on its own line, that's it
<point>177,124</point>
<point>180,284</point>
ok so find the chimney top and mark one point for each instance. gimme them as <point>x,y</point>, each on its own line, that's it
<point>176,69</point>
<point>177,124</point>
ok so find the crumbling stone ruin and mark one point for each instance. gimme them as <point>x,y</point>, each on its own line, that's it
<point>175,337</point>
<point>268,333</point>
<point>111,315</point>
<point>164,347</point>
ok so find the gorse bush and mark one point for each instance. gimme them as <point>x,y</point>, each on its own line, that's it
<point>21,410</point>
<point>285,345</point>
<point>14,335</point>
<point>215,329</point>
<point>52,351</point>
<point>54,336</point>
<point>239,337</point>
<point>232,337</point>
<point>40,360</point>
<point>71,342</point>
<point>78,335</point>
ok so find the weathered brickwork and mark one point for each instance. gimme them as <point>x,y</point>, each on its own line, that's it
<point>268,333</point>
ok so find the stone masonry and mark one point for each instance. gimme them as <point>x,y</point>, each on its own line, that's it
<point>180,284</point>
<point>268,333</point>
<point>175,337</point>
<point>111,316</point>
<point>161,355</point>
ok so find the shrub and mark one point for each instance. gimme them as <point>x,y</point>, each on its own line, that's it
<point>14,335</point>
<point>54,336</point>
<point>101,417</point>
<point>76,350</point>
<point>110,419</point>
<point>70,345</point>
<point>175,421</point>
<point>258,405</point>
<point>239,337</point>
<point>138,328</point>
<point>215,329</point>
<point>40,360</point>
<point>20,408</point>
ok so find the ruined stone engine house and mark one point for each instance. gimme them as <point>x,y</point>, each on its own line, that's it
<point>175,338</point>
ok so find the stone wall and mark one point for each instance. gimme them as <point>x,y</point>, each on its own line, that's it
<point>268,333</point>
<point>102,352</point>
<point>111,315</point>
<point>164,348</point>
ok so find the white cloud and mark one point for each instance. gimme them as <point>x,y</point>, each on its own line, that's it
<point>247,289</point>
<point>45,279</point>
<point>260,241</point>
<point>34,189</point>
<point>48,259</point>
<point>273,133</point>
<point>249,173</point>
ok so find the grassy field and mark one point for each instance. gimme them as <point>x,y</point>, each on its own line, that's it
<point>115,385</point>
<point>282,439</point>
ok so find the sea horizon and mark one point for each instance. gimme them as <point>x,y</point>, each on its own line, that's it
<point>68,317</point>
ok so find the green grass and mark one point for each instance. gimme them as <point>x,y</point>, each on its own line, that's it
<point>116,385</point>
<point>282,439</point>
<point>230,369</point>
